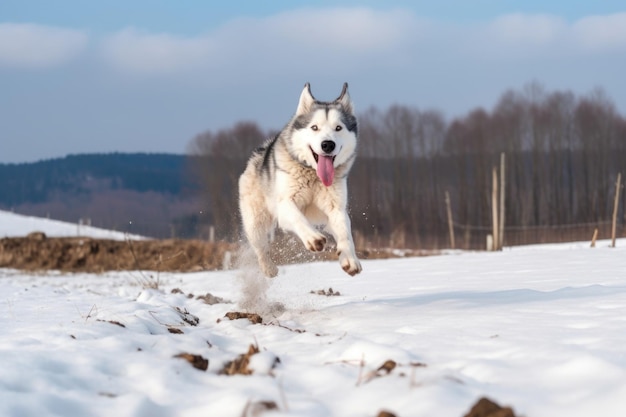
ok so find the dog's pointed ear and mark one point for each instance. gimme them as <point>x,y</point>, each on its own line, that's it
<point>306,100</point>
<point>344,99</point>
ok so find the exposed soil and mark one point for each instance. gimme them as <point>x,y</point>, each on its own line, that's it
<point>82,254</point>
<point>484,407</point>
<point>239,366</point>
<point>252,317</point>
<point>196,361</point>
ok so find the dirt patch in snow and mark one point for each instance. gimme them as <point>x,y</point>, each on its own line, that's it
<point>196,361</point>
<point>252,317</point>
<point>239,366</point>
<point>484,407</point>
<point>82,254</point>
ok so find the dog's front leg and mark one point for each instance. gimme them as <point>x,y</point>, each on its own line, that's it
<point>291,218</point>
<point>339,224</point>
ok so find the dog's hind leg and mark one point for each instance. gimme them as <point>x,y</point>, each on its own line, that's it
<point>257,225</point>
<point>256,218</point>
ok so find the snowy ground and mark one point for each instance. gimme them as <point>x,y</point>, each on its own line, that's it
<point>541,328</point>
<point>15,225</point>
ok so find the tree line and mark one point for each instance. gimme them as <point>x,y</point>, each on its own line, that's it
<point>563,153</point>
<point>33,182</point>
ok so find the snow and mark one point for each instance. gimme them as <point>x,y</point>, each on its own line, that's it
<point>540,328</point>
<point>14,225</point>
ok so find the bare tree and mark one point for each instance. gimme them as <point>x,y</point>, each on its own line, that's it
<point>219,159</point>
<point>562,153</point>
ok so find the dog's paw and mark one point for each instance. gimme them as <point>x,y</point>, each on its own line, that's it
<point>315,242</point>
<point>350,264</point>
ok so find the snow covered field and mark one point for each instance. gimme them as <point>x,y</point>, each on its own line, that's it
<point>541,329</point>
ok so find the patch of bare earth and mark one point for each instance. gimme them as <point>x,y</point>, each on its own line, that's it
<point>484,407</point>
<point>239,366</point>
<point>252,317</point>
<point>196,361</point>
<point>37,252</point>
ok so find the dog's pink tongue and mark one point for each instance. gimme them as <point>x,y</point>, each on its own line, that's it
<point>325,169</point>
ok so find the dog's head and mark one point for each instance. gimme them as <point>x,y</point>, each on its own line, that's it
<point>324,133</point>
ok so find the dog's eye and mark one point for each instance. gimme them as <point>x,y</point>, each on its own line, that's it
<point>338,128</point>
<point>314,128</point>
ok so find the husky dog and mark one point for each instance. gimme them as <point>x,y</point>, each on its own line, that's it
<point>298,179</point>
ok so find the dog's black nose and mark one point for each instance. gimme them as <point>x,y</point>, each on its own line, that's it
<point>328,146</point>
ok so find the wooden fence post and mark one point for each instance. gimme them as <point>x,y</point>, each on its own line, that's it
<point>494,208</point>
<point>615,207</point>
<point>450,223</point>
<point>500,244</point>
<point>594,237</point>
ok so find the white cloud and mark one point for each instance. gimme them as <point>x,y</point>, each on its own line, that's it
<point>140,52</point>
<point>350,41</point>
<point>319,39</point>
<point>553,34</point>
<point>36,46</point>
<point>291,39</point>
<point>344,29</point>
<point>601,32</point>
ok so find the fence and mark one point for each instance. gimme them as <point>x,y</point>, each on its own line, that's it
<point>470,237</point>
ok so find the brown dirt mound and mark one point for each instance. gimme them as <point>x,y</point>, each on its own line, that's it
<point>196,361</point>
<point>484,407</point>
<point>82,254</point>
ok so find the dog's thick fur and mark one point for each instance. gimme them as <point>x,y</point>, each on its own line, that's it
<point>297,181</point>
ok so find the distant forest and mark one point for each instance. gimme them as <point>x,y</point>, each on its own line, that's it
<point>148,194</point>
<point>563,153</point>
<point>32,182</point>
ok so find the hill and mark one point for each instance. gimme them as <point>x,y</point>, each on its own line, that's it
<point>35,182</point>
<point>147,194</point>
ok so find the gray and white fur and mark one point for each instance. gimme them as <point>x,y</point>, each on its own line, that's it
<point>298,180</point>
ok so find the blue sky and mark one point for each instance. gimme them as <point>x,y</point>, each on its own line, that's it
<point>146,76</point>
